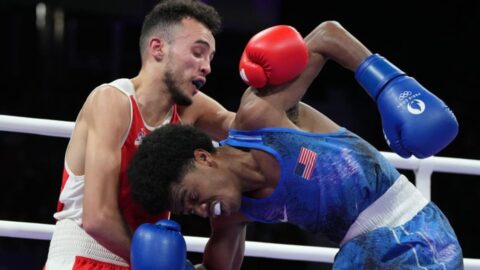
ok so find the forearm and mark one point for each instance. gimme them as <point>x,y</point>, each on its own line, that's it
<point>111,232</point>
<point>225,249</point>
<point>223,256</point>
<point>331,41</point>
<point>102,218</point>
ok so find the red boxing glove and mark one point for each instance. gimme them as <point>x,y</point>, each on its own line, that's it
<point>274,56</point>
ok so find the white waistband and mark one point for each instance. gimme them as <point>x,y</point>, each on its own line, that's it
<point>400,203</point>
<point>69,240</point>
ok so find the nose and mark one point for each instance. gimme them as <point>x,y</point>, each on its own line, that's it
<point>201,210</point>
<point>206,68</point>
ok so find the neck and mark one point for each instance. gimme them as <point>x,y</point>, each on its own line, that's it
<point>244,167</point>
<point>152,97</point>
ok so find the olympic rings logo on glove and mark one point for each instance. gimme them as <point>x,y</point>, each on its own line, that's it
<point>404,95</point>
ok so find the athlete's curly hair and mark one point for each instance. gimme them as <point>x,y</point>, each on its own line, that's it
<point>163,158</point>
<point>169,13</point>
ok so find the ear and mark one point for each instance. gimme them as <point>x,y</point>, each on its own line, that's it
<point>202,156</point>
<point>156,47</point>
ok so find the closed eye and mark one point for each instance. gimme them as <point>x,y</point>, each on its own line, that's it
<point>193,198</point>
<point>202,50</point>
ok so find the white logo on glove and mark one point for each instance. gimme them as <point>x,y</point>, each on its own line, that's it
<point>416,106</point>
<point>404,95</point>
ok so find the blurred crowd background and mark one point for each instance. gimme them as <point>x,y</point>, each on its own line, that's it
<point>53,53</point>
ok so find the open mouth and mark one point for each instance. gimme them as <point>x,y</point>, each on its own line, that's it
<point>198,84</point>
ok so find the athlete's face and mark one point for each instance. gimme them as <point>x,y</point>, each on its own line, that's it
<point>188,61</point>
<point>173,85</point>
<point>206,190</point>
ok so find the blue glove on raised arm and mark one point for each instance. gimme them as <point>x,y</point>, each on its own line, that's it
<point>415,122</point>
<point>159,246</point>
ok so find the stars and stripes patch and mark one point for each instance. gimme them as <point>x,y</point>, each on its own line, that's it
<point>306,163</point>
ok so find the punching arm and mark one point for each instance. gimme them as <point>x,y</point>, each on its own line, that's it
<point>415,121</point>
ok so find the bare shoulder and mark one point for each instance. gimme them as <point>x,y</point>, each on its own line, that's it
<point>108,108</point>
<point>108,94</point>
<point>106,98</point>
<point>257,110</point>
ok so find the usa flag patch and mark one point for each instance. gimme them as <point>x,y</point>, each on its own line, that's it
<point>306,163</point>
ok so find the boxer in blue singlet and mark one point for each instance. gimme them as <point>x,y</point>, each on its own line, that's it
<point>305,170</point>
<point>339,185</point>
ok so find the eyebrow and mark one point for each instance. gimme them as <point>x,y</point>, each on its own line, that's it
<point>201,41</point>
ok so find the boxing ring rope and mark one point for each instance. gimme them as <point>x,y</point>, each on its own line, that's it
<point>423,169</point>
<point>53,128</point>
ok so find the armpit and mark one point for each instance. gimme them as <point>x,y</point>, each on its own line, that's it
<point>293,113</point>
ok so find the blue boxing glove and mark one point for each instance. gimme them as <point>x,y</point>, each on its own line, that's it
<point>158,246</point>
<point>415,122</point>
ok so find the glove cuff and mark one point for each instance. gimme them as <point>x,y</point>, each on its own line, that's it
<point>374,73</point>
<point>169,225</point>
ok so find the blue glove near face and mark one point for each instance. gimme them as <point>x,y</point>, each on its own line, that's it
<point>158,246</point>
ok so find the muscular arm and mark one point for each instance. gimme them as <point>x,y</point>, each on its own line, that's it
<point>226,245</point>
<point>107,116</point>
<point>331,41</point>
<point>327,41</point>
<point>210,116</point>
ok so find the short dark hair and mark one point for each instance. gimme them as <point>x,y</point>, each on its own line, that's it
<point>164,156</point>
<point>171,12</point>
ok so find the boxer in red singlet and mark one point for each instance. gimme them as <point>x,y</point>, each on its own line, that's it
<point>96,215</point>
